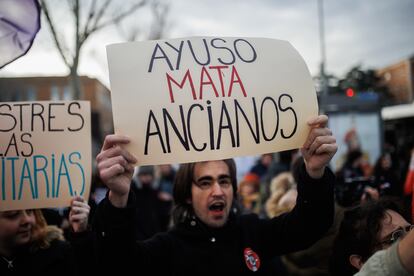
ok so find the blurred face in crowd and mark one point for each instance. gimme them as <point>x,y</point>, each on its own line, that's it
<point>266,159</point>
<point>247,189</point>
<point>16,228</point>
<point>212,192</point>
<point>146,179</point>
<point>386,162</point>
<point>165,169</point>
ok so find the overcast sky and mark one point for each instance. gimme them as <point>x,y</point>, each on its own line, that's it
<point>374,33</point>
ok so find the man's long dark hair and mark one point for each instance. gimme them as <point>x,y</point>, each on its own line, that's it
<point>182,189</point>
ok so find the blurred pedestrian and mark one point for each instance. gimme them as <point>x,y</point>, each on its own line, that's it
<point>385,176</point>
<point>166,181</point>
<point>283,195</point>
<point>208,238</point>
<point>249,195</point>
<point>152,212</point>
<point>315,259</point>
<point>353,184</point>
<point>262,165</point>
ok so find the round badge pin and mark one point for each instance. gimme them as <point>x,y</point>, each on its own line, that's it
<point>252,259</point>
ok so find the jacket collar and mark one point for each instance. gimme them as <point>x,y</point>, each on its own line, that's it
<point>192,227</point>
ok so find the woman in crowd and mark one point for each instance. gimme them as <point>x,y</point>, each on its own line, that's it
<point>385,176</point>
<point>29,245</point>
<point>283,195</point>
<point>249,195</point>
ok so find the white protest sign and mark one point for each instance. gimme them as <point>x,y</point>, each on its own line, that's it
<point>45,150</point>
<point>205,98</point>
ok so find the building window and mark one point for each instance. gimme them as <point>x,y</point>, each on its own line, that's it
<point>31,93</point>
<point>54,93</point>
<point>66,93</point>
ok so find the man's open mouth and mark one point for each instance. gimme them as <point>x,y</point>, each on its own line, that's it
<point>216,207</point>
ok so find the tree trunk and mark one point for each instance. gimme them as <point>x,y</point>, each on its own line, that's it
<point>75,85</point>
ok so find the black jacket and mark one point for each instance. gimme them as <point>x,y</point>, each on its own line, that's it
<point>77,256</point>
<point>58,259</point>
<point>191,248</point>
<point>152,214</point>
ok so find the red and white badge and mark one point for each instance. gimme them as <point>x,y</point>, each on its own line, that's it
<point>252,259</point>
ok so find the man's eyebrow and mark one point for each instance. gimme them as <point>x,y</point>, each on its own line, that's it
<point>205,177</point>
<point>209,177</point>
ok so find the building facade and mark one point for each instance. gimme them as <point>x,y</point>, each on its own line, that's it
<point>58,88</point>
<point>399,79</point>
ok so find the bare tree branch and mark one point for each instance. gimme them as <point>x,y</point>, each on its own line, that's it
<point>100,13</point>
<point>54,34</point>
<point>159,10</point>
<point>85,24</point>
<point>88,21</point>
<point>121,16</point>
<point>130,34</point>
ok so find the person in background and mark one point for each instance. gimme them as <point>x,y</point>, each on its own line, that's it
<point>283,195</point>
<point>353,185</point>
<point>262,165</point>
<point>282,164</point>
<point>396,260</point>
<point>249,195</point>
<point>166,181</point>
<point>29,246</point>
<point>366,229</point>
<point>152,213</point>
<point>315,259</point>
<point>385,178</point>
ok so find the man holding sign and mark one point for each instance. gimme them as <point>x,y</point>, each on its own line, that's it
<point>208,237</point>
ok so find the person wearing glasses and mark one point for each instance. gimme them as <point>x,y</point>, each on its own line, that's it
<point>371,241</point>
<point>397,259</point>
<point>209,237</point>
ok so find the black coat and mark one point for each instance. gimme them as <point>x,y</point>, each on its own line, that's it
<point>58,259</point>
<point>152,214</point>
<point>192,248</point>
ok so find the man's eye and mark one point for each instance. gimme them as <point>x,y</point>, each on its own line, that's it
<point>204,184</point>
<point>225,182</point>
<point>11,214</point>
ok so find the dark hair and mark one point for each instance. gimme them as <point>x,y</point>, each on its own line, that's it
<point>146,170</point>
<point>358,234</point>
<point>352,156</point>
<point>378,169</point>
<point>182,188</point>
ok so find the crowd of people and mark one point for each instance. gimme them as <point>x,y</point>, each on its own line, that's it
<point>289,214</point>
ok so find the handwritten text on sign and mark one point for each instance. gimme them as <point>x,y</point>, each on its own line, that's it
<point>205,98</point>
<point>45,150</point>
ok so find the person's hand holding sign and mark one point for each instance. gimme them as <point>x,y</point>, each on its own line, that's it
<point>319,148</point>
<point>78,215</point>
<point>116,167</point>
